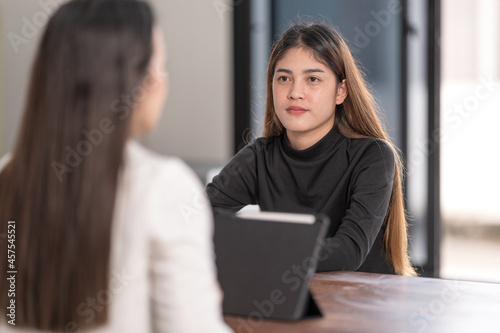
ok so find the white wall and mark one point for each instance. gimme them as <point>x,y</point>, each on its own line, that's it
<point>197,120</point>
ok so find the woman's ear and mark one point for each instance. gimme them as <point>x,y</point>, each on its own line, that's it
<point>341,92</point>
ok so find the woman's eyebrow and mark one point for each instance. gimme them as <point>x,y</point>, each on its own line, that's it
<point>307,71</point>
<point>282,70</point>
<point>313,70</point>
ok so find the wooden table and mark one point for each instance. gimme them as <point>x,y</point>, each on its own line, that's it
<point>362,302</point>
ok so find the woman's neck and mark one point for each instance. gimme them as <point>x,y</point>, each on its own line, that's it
<point>304,140</point>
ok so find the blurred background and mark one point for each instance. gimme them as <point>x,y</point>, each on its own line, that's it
<point>432,64</point>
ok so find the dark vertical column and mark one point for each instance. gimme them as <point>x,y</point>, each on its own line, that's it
<point>241,70</point>
<point>434,75</point>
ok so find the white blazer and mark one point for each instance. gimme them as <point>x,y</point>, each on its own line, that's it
<point>163,275</point>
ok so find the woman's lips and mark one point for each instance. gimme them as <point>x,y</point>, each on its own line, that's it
<point>295,110</point>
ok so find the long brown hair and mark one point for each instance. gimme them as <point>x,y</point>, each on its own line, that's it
<point>356,117</point>
<point>60,185</point>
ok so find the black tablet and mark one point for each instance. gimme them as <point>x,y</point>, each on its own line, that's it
<point>265,262</point>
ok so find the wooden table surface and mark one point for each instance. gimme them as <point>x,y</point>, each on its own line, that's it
<point>362,302</point>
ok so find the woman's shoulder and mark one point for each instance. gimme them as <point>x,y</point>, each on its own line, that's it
<point>163,188</point>
<point>138,154</point>
<point>155,177</point>
<point>368,143</point>
<point>147,163</point>
<point>371,146</point>
<point>263,144</point>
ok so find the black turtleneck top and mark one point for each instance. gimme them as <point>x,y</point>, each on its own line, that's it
<point>349,180</point>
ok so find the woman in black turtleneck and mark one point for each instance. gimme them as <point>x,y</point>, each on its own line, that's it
<point>323,150</point>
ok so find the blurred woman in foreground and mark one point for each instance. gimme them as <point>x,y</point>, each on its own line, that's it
<point>94,222</point>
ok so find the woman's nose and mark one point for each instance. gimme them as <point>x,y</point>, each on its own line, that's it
<point>296,91</point>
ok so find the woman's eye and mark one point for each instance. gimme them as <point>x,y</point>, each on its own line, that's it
<point>283,79</point>
<point>313,79</point>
